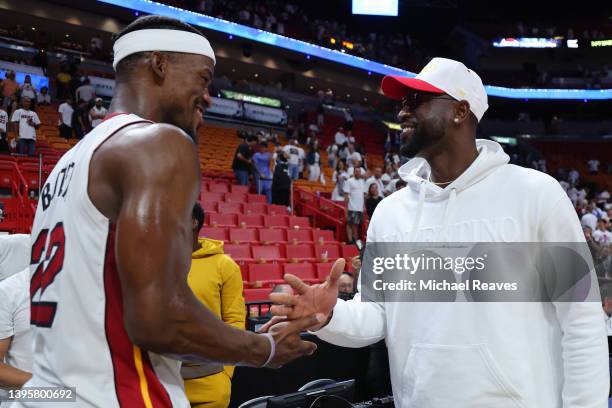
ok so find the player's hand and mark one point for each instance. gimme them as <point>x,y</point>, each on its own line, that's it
<point>289,344</point>
<point>318,300</point>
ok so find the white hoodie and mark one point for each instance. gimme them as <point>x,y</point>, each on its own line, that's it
<point>14,254</point>
<point>481,355</point>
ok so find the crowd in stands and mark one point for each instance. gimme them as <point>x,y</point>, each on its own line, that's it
<point>594,207</point>
<point>18,110</point>
<point>397,49</point>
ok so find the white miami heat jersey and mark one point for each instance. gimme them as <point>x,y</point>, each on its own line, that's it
<point>77,314</point>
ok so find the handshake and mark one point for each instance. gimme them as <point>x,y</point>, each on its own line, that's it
<point>310,308</point>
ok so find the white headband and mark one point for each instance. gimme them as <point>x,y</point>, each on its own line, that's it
<point>161,40</point>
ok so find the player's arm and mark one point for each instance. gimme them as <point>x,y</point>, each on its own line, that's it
<point>148,183</point>
<point>10,377</point>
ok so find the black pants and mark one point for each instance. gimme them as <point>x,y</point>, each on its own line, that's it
<point>4,146</point>
<point>280,196</point>
<point>65,131</point>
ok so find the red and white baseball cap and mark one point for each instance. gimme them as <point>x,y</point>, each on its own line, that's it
<point>441,76</point>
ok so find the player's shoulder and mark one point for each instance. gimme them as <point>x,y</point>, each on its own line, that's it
<point>147,139</point>
<point>154,148</point>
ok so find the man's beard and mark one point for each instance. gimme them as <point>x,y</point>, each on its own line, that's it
<point>418,141</point>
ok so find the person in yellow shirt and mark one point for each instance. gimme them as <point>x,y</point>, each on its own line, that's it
<point>216,281</point>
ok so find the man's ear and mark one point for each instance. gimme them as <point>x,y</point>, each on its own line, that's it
<point>158,62</point>
<point>195,224</point>
<point>462,112</point>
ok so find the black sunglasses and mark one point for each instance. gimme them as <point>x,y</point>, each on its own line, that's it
<point>414,100</point>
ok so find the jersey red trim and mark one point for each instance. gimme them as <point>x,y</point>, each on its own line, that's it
<point>112,115</point>
<point>127,382</point>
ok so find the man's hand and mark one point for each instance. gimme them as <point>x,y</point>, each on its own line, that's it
<point>312,300</point>
<point>289,345</point>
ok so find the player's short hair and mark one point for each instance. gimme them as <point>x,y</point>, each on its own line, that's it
<point>198,214</point>
<point>147,23</point>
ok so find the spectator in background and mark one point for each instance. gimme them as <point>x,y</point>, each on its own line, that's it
<point>216,281</point>
<point>9,88</point>
<point>353,155</point>
<point>85,92</point>
<point>4,146</point>
<point>601,235</point>
<point>65,126</point>
<point>95,46</point>
<point>593,166</point>
<point>262,175</point>
<point>28,90</point>
<point>43,97</point>
<point>376,179</point>
<point>542,165</point>
<point>589,220</point>
<point>26,122</point>
<point>320,109</point>
<point>348,121</point>
<point>332,155</point>
<point>573,176</point>
<point>340,137</point>
<point>313,159</point>
<point>355,164</point>
<point>346,286</point>
<point>242,160</point>
<point>281,181</point>
<point>354,191</point>
<point>15,336</point>
<point>296,156</point>
<point>62,83</point>
<point>372,199</point>
<point>80,119</point>
<point>339,177</point>
<point>97,113</point>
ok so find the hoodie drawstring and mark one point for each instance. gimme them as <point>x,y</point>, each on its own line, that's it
<point>419,212</point>
<point>447,211</point>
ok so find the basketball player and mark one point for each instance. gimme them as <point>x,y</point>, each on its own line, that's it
<point>112,240</point>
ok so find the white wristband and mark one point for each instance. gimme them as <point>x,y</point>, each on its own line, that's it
<point>272,349</point>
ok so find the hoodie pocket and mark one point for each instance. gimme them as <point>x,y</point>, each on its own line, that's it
<point>458,376</point>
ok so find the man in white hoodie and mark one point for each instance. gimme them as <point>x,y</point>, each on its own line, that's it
<point>467,354</point>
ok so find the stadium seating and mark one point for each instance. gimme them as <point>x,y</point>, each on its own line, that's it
<point>230,208</point>
<point>274,221</point>
<point>272,236</point>
<point>299,222</point>
<point>265,274</point>
<point>214,233</point>
<point>323,270</point>
<point>300,253</point>
<point>257,294</point>
<point>243,235</point>
<point>304,271</point>
<point>323,236</point>
<point>235,197</point>
<point>250,221</point>
<point>222,220</point>
<point>327,252</point>
<point>241,253</point>
<point>299,236</point>
<point>267,253</point>
<point>256,209</point>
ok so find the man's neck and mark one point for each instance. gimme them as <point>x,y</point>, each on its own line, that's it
<point>130,98</point>
<point>449,162</point>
